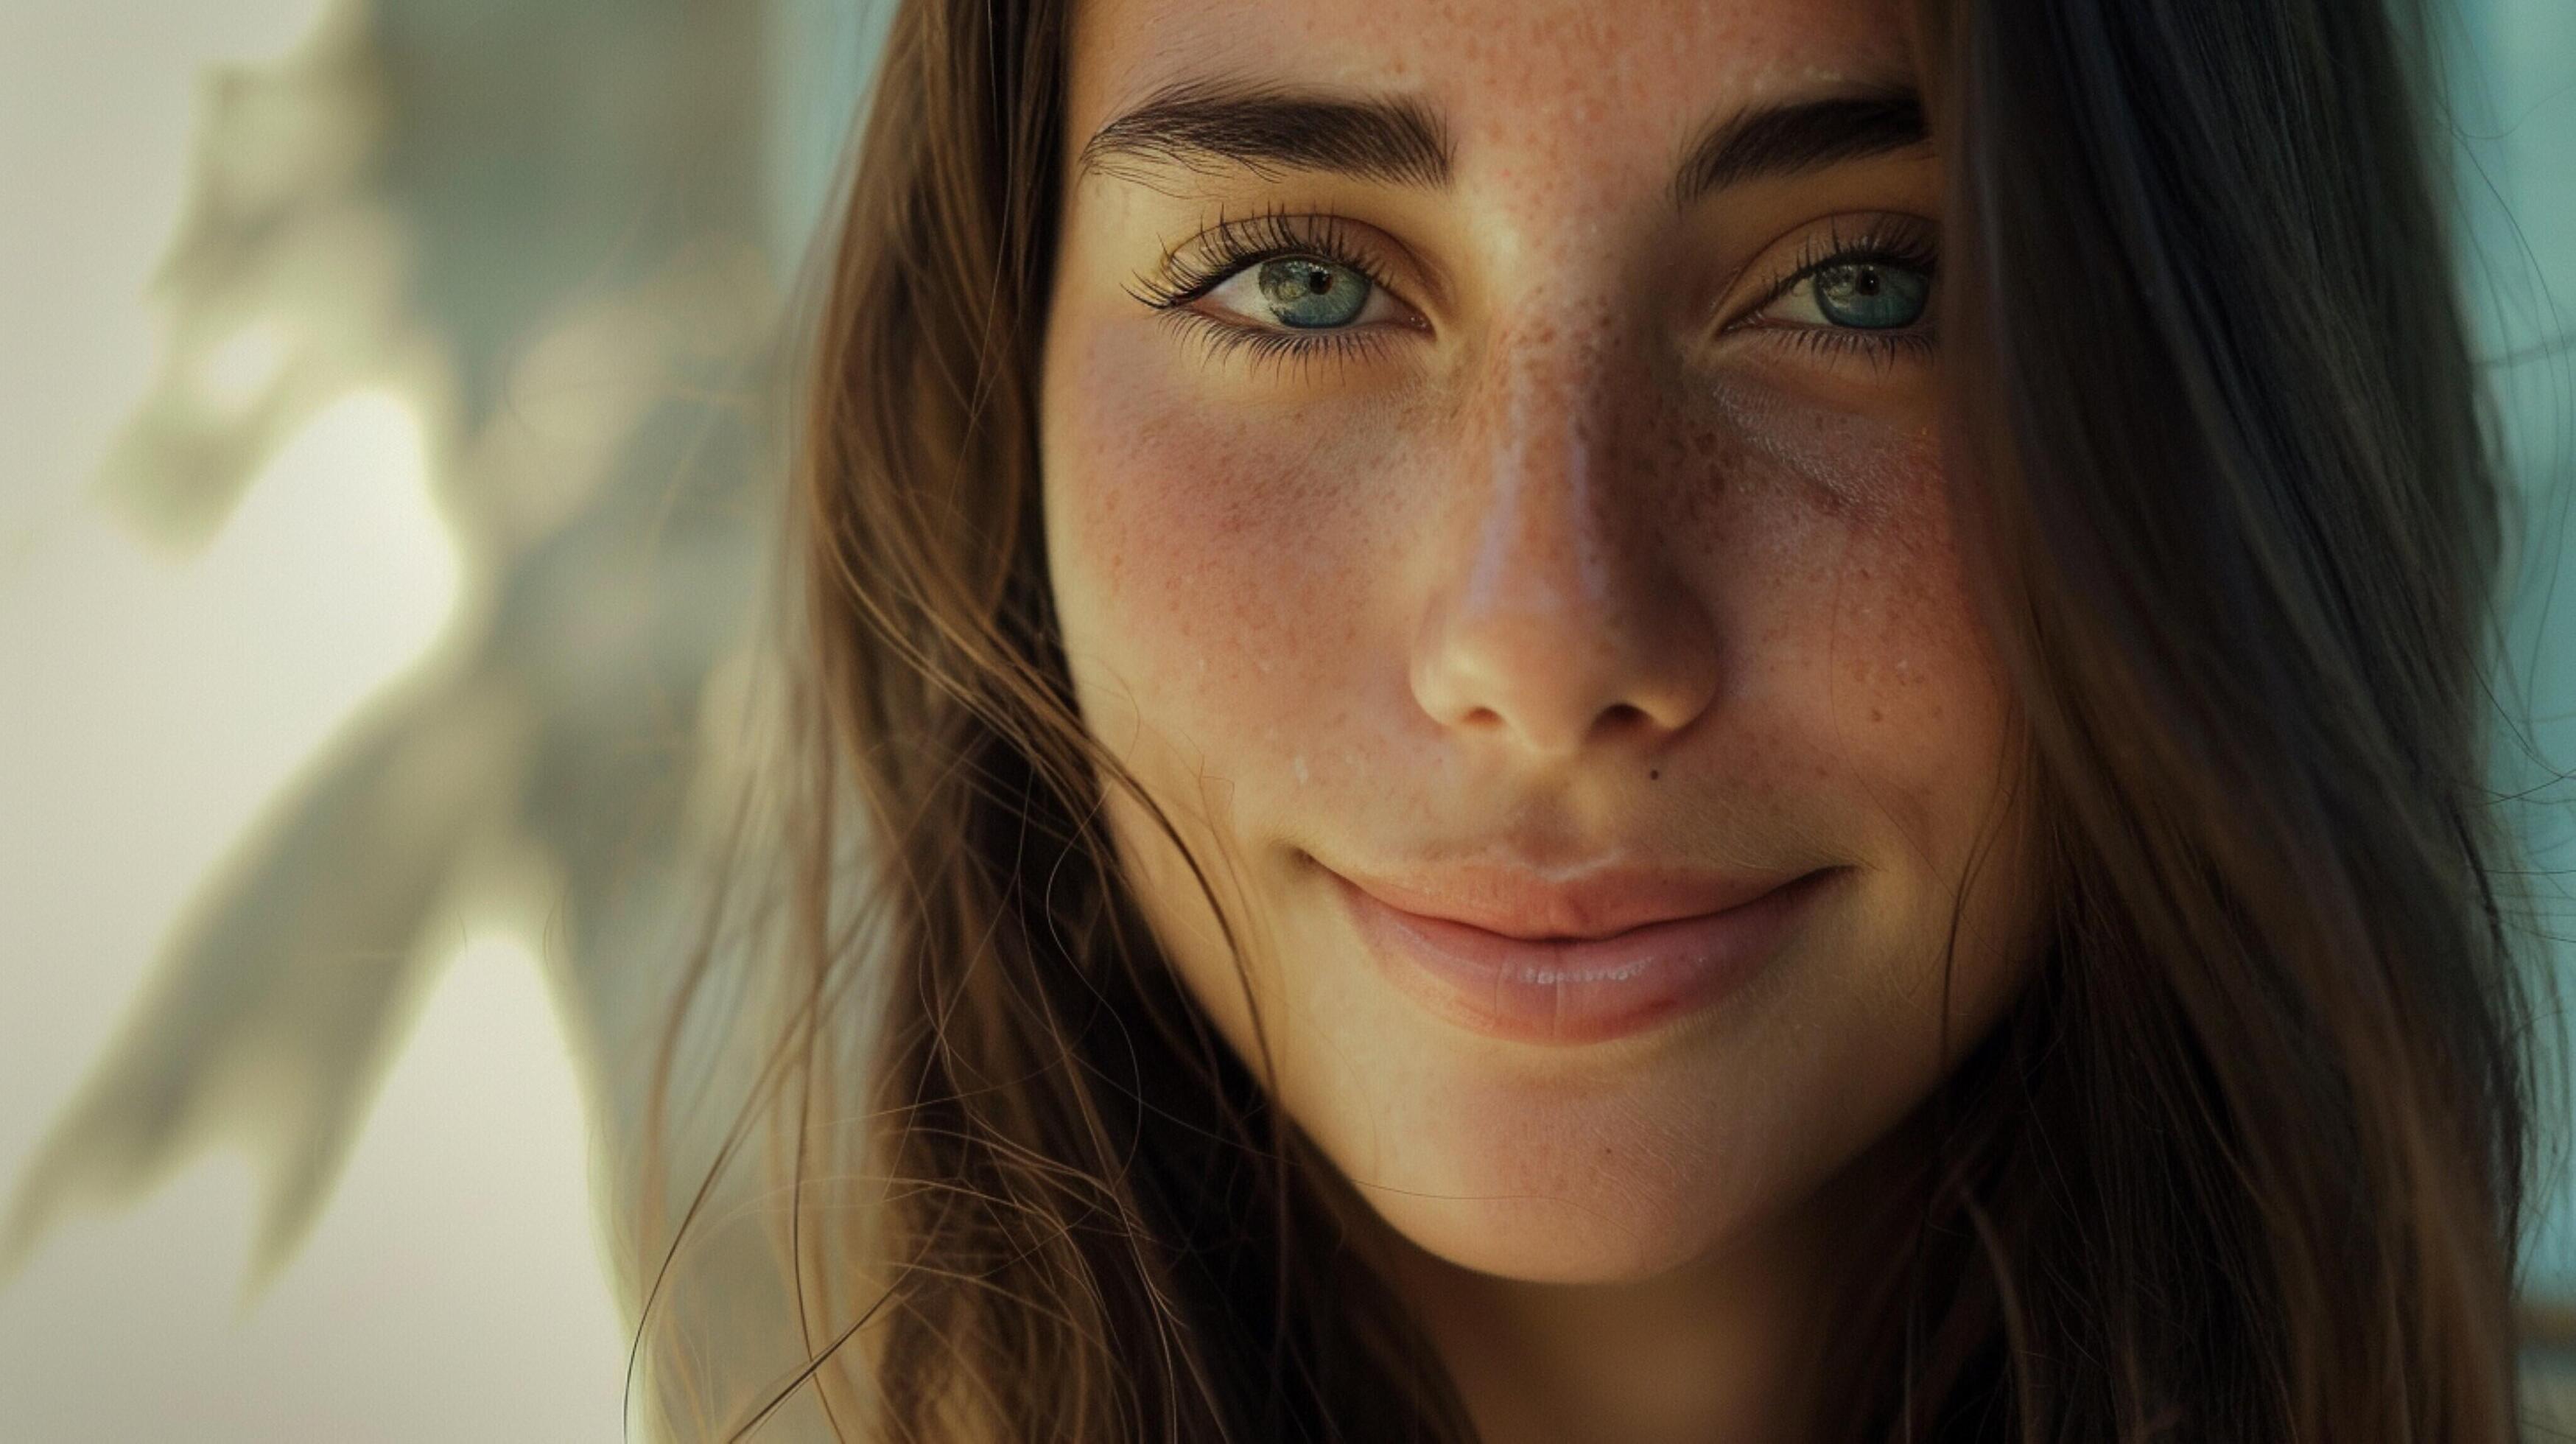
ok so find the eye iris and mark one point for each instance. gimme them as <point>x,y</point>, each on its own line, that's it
<point>1310,294</point>
<point>1871,295</point>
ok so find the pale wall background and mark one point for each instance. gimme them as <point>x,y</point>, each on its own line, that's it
<point>382,474</point>
<point>382,434</point>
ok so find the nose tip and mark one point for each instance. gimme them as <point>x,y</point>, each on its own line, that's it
<point>1562,669</point>
<point>1555,681</point>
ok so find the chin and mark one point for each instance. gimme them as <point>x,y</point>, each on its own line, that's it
<point>1619,1177</point>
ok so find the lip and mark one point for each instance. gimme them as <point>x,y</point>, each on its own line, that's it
<point>1514,955</point>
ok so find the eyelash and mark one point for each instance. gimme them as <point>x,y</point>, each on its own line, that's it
<point>1222,251</point>
<point>1907,242</point>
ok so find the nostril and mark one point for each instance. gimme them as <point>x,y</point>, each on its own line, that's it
<point>1621,717</point>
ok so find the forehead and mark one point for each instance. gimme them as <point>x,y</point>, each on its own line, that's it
<point>1505,75</point>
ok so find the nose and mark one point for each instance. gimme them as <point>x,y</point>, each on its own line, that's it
<point>1560,620</point>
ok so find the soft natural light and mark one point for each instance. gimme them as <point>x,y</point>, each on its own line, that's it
<point>456,406</point>
<point>450,1293</point>
<point>239,368</point>
<point>153,704</point>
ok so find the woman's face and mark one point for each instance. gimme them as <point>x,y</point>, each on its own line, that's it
<point>1494,509</point>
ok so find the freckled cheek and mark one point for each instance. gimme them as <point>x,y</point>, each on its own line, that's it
<point>1907,666</point>
<point>1214,561</point>
<point>1862,619</point>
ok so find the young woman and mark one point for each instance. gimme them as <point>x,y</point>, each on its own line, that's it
<point>1681,721</point>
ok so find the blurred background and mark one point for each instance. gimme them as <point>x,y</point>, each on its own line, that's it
<point>391,396</point>
<point>388,478</point>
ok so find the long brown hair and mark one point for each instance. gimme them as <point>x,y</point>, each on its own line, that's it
<point>2245,1160</point>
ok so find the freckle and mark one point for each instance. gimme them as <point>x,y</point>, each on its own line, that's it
<point>1876,716</point>
<point>1654,774</point>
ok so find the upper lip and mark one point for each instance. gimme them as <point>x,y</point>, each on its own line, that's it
<point>1597,902</point>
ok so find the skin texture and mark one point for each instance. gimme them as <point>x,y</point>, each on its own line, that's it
<point>1583,555</point>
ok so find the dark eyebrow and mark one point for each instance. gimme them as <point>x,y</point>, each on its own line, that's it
<point>1801,136</point>
<point>1201,125</point>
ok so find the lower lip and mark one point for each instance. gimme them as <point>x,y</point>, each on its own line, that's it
<point>1582,991</point>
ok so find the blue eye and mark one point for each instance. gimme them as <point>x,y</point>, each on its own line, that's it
<point>1870,295</point>
<point>1311,294</point>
